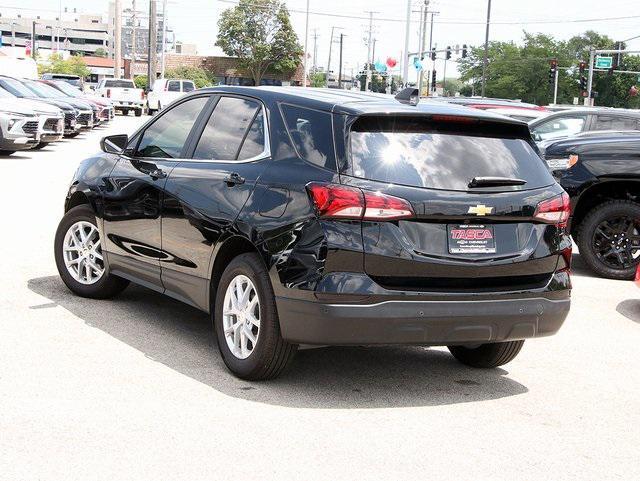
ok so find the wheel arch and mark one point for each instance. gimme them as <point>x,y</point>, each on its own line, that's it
<point>617,189</point>
<point>76,199</point>
<point>230,248</point>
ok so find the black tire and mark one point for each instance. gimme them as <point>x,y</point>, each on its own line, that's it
<point>72,135</point>
<point>125,112</point>
<point>7,152</point>
<point>41,145</point>
<point>487,355</point>
<point>139,113</point>
<point>108,285</point>
<point>271,354</point>
<point>586,232</point>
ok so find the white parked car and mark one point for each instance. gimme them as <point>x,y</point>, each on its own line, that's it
<point>123,94</point>
<point>165,91</point>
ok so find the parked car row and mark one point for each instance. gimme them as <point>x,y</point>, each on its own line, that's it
<point>34,113</point>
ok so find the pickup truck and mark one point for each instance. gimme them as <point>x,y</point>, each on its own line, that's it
<point>123,94</point>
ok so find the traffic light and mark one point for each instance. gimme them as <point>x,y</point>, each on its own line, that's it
<point>464,50</point>
<point>448,53</point>
<point>433,54</point>
<point>553,68</point>
<point>433,81</point>
<point>582,67</point>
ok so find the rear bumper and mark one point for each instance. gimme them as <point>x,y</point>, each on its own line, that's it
<point>120,105</point>
<point>420,322</point>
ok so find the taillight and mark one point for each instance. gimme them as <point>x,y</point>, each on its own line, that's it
<point>637,278</point>
<point>554,211</point>
<point>142,94</point>
<point>344,202</point>
<point>108,93</point>
<point>566,257</point>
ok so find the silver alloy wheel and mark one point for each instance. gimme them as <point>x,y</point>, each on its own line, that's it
<point>241,316</point>
<point>82,253</point>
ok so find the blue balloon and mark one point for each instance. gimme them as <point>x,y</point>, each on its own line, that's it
<point>417,64</point>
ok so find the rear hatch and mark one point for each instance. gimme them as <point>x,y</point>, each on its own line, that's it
<point>478,192</point>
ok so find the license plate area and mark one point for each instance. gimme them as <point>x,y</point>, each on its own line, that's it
<point>471,239</point>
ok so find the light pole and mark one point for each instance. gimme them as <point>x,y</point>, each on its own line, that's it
<point>405,59</point>
<point>306,43</point>
<point>486,48</point>
<point>164,35</point>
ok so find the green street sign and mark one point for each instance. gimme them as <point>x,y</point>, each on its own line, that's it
<point>604,62</point>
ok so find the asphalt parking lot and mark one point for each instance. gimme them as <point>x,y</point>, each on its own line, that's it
<point>131,389</point>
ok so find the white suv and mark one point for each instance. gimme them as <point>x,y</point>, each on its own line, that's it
<point>165,91</point>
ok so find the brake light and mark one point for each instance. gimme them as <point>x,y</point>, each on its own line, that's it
<point>344,202</point>
<point>142,94</point>
<point>108,93</point>
<point>454,118</point>
<point>554,211</point>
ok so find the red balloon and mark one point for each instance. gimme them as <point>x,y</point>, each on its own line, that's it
<point>391,62</point>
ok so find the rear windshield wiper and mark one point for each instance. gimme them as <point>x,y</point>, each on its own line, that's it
<point>495,181</point>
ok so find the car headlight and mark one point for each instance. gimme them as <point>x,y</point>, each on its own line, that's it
<point>12,122</point>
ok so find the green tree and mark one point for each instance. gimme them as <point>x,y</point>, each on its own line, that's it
<point>201,78</point>
<point>452,86</point>
<point>140,81</point>
<point>100,52</point>
<point>74,65</point>
<point>260,34</point>
<point>319,79</point>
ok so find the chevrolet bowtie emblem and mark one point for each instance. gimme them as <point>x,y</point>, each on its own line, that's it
<point>480,209</point>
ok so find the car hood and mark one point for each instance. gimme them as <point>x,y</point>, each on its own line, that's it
<point>29,107</point>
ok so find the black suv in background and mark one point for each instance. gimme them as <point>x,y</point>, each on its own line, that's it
<point>601,173</point>
<point>301,216</point>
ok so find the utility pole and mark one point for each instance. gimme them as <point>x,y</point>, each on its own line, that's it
<point>153,49</point>
<point>306,42</point>
<point>369,45</point>
<point>329,61</point>
<point>407,30</point>
<point>373,52</point>
<point>315,49</point>
<point>33,40</point>
<point>133,38</point>
<point>423,38</point>
<point>555,88</point>
<point>486,49</point>
<point>117,40</point>
<point>430,47</point>
<point>340,67</point>
<point>164,35</point>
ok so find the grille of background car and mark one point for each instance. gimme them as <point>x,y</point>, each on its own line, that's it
<point>68,118</point>
<point>85,118</point>
<point>30,127</point>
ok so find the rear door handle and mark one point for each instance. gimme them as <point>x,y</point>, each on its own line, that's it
<point>233,179</point>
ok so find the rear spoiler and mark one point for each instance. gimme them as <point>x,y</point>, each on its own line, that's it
<point>409,96</point>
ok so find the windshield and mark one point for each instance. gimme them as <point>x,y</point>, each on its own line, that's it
<point>66,88</point>
<point>16,88</point>
<point>394,153</point>
<point>127,84</point>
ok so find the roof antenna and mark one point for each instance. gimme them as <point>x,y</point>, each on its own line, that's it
<point>409,96</point>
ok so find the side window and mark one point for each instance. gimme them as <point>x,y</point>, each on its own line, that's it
<point>560,127</point>
<point>254,141</point>
<point>173,86</point>
<point>165,137</point>
<point>225,132</point>
<point>187,86</point>
<point>312,134</point>
<point>607,122</point>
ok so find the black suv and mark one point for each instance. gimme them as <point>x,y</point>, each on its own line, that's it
<point>302,216</point>
<point>601,173</point>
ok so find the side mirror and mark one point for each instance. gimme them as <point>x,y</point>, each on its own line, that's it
<point>114,144</point>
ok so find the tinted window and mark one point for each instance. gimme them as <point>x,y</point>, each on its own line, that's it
<point>165,138</point>
<point>188,87</point>
<point>128,84</point>
<point>395,153</point>
<point>173,86</point>
<point>226,129</point>
<point>312,134</point>
<point>560,127</point>
<point>607,122</point>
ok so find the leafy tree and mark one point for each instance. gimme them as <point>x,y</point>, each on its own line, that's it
<point>521,71</point>
<point>260,34</point>
<point>451,87</point>
<point>319,79</point>
<point>74,65</point>
<point>140,81</point>
<point>201,78</point>
<point>100,52</point>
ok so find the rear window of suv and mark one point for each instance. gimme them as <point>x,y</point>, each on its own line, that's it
<point>418,153</point>
<point>127,84</point>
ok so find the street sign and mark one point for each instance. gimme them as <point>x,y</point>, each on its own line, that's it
<point>604,62</point>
